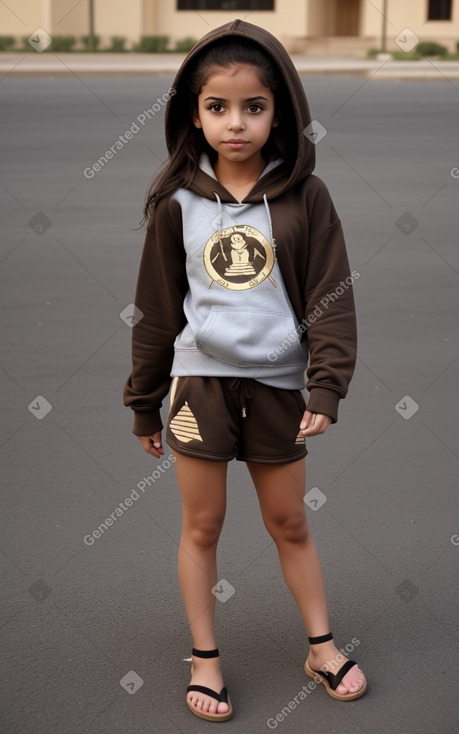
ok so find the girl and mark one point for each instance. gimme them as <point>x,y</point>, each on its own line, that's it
<point>244,283</point>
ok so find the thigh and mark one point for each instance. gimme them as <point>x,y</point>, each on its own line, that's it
<point>202,487</point>
<point>280,489</point>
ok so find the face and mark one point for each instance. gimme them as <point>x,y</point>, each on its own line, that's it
<point>236,113</point>
<point>237,242</point>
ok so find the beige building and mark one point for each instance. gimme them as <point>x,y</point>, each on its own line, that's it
<point>310,26</point>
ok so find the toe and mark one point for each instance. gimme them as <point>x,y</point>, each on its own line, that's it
<point>222,708</point>
<point>196,702</point>
<point>352,682</point>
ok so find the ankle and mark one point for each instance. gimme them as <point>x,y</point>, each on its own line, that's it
<point>324,649</point>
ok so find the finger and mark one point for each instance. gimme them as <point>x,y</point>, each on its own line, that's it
<point>155,452</point>
<point>319,426</point>
<point>152,444</point>
<point>156,443</point>
<point>306,420</point>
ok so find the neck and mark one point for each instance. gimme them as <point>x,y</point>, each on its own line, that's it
<point>235,173</point>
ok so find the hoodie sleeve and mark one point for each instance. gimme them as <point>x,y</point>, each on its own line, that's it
<point>161,289</point>
<point>329,310</point>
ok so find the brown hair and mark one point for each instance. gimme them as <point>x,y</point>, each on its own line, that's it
<point>187,143</point>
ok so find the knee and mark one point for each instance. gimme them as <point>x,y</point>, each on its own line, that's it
<point>204,531</point>
<point>290,528</point>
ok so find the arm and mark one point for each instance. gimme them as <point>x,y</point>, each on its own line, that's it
<point>161,288</point>
<point>329,315</point>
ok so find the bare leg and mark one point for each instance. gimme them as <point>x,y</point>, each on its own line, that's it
<point>203,491</point>
<point>280,490</point>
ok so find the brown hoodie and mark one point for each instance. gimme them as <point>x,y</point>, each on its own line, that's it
<point>310,251</point>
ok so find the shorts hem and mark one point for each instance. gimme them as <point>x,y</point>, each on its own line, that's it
<point>196,454</point>
<point>273,459</point>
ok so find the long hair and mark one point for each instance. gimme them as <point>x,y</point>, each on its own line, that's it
<point>187,142</point>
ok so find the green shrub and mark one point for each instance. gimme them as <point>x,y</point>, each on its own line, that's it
<point>117,44</point>
<point>185,44</point>
<point>7,43</point>
<point>153,44</point>
<point>430,48</point>
<point>62,44</point>
<point>85,40</point>
<point>406,55</point>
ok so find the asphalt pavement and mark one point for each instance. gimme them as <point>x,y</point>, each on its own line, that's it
<point>94,635</point>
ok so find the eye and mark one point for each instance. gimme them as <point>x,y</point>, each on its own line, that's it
<point>254,108</point>
<point>216,107</point>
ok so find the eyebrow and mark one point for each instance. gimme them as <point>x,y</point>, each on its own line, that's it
<point>249,99</point>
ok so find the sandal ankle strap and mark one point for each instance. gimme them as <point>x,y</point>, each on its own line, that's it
<point>205,653</point>
<point>321,638</point>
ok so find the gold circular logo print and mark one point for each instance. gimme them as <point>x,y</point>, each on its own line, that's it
<point>239,258</point>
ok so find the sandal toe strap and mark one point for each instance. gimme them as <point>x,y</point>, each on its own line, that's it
<point>334,680</point>
<point>221,697</point>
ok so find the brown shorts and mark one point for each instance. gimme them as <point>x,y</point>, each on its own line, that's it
<point>222,418</point>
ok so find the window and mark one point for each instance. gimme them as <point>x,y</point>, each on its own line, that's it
<point>439,10</point>
<point>225,4</point>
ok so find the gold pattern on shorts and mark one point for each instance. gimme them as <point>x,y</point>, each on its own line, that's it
<point>239,258</point>
<point>184,426</point>
<point>300,440</point>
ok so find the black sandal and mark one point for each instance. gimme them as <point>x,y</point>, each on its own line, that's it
<point>221,697</point>
<point>330,680</point>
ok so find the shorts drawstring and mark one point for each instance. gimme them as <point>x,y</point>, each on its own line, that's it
<point>246,391</point>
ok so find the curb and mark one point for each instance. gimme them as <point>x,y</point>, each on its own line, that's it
<point>142,65</point>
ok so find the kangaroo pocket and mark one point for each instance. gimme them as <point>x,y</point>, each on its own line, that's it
<point>246,338</point>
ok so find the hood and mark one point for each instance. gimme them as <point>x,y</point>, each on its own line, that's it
<point>280,178</point>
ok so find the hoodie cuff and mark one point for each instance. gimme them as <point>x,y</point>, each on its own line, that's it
<point>322,400</point>
<point>146,424</point>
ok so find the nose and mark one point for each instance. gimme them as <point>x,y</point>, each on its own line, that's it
<point>236,121</point>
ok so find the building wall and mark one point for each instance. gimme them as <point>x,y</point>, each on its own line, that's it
<point>292,20</point>
<point>412,15</point>
<point>321,18</point>
<point>288,19</point>
<point>22,17</point>
<point>119,18</point>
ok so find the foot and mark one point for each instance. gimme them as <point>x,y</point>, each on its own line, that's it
<point>326,654</point>
<point>206,672</point>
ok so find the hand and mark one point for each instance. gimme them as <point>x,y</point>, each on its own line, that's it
<point>314,424</point>
<point>152,444</point>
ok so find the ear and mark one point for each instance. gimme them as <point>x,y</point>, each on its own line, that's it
<point>195,117</point>
<point>276,121</point>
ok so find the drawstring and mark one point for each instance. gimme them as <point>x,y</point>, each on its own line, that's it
<point>268,214</point>
<point>246,391</point>
<point>265,199</point>
<point>220,212</point>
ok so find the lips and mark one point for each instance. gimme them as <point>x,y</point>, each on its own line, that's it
<point>236,143</point>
